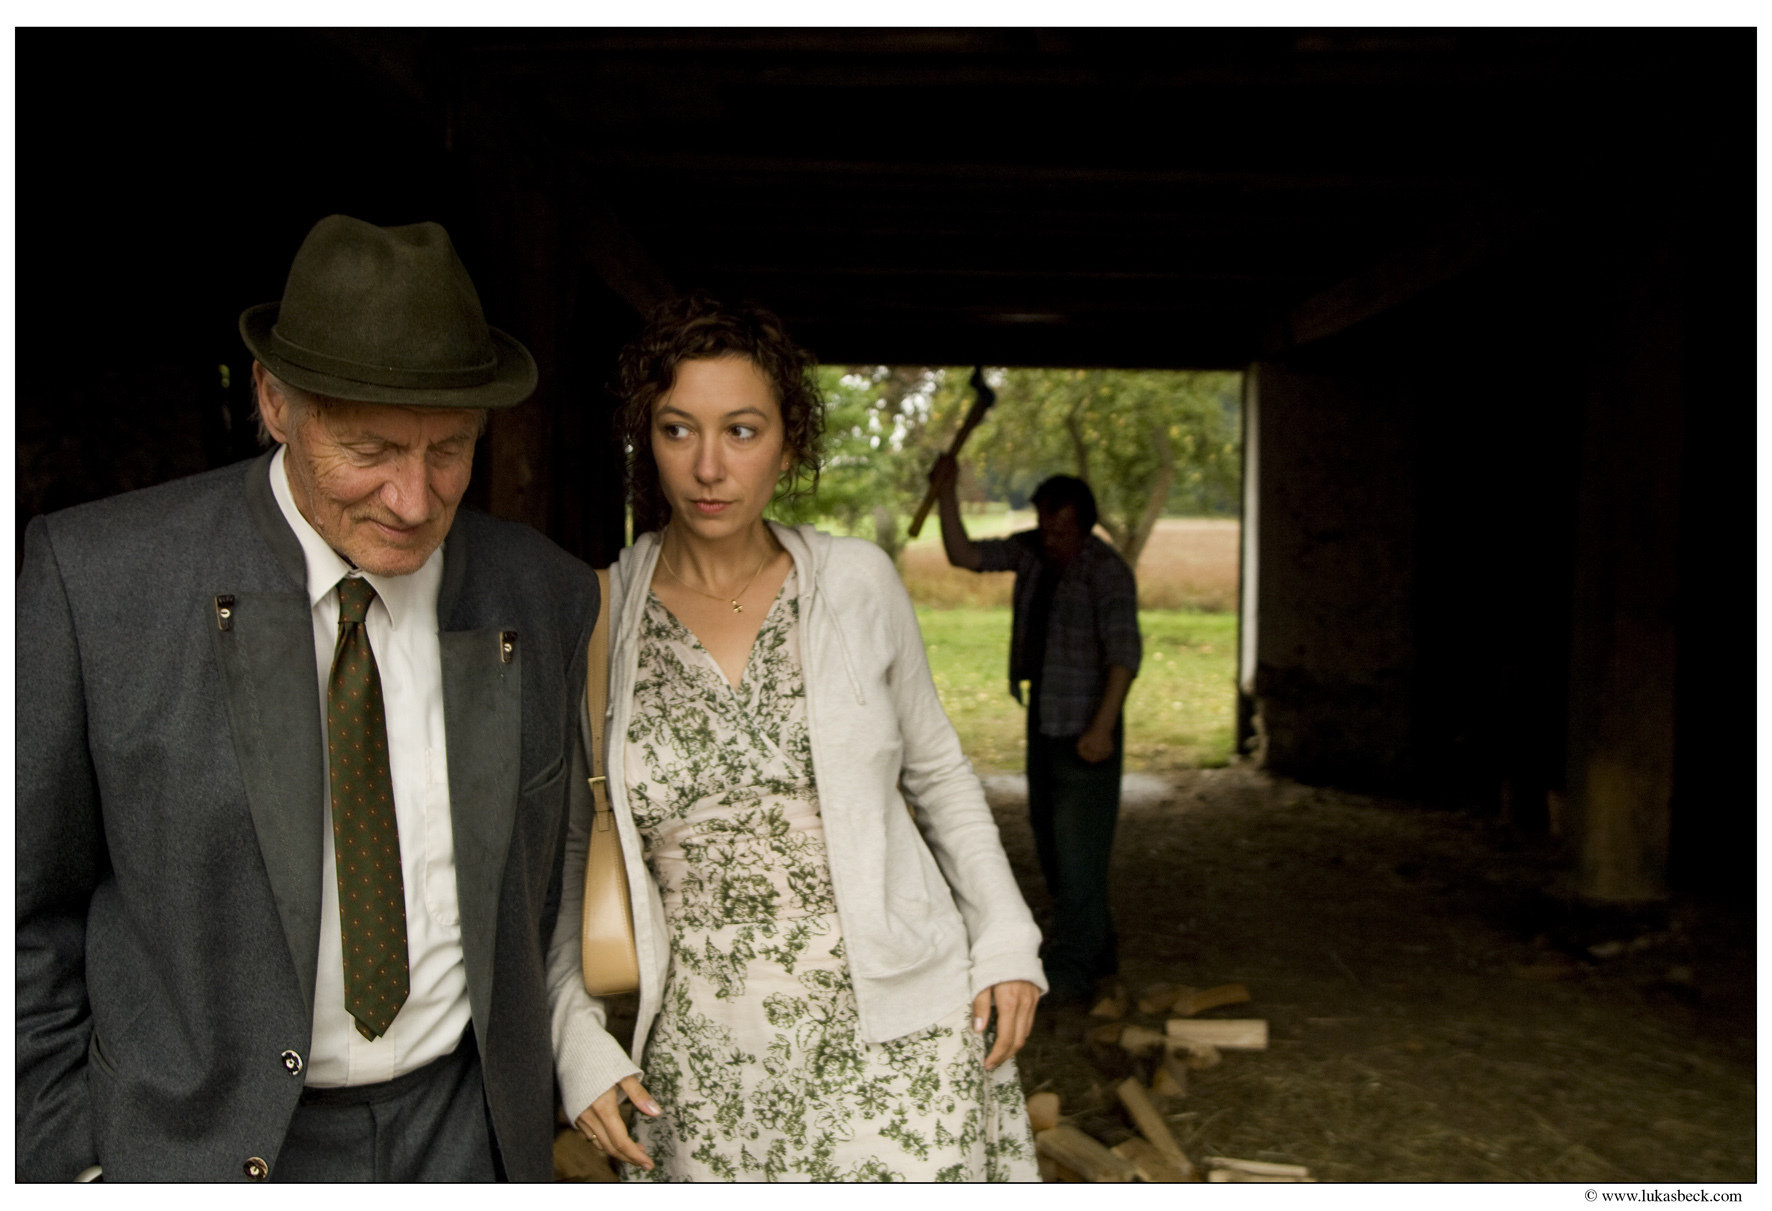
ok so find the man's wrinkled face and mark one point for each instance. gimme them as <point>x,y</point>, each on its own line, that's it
<point>379,483</point>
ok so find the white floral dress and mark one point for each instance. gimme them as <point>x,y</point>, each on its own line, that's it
<point>755,1056</point>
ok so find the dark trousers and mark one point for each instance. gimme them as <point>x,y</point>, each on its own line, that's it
<point>426,1126</point>
<point>1073,806</point>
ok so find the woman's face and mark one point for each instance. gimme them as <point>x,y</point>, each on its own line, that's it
<point>718,440</point>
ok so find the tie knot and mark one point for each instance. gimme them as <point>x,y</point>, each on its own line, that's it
<point>354,596</point>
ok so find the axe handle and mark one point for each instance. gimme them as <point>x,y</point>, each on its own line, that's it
<point>972,418</point>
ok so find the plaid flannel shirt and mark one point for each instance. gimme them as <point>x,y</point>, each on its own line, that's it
<point>1093,623</point>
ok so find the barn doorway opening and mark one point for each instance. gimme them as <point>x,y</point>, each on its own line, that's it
<point>1162,451</point>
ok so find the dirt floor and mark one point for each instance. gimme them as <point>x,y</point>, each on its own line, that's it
<point>1437,1012</point>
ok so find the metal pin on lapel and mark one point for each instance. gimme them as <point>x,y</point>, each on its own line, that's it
<point>507,646</point>
<point>224,611</point>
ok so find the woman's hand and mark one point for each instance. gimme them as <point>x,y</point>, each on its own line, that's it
<point>602,1125</point>
<point>1015,1001</point>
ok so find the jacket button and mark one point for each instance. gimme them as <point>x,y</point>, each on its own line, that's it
<point>256,1169</point>
<point>292,1063</point>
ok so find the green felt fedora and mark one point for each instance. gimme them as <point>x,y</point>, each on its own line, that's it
<point>386,315</point>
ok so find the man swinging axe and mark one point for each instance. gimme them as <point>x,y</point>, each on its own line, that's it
<point>1074,640</point>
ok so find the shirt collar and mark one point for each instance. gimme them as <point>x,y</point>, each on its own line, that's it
<point>399,595</point>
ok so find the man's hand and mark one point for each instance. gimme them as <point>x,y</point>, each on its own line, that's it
<point>601,1122</point>
<point>944,477</point>
<point>1015,1001</point>
<point>1096,745</point>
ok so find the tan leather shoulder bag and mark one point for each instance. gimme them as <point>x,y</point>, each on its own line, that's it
<point>611,964</point>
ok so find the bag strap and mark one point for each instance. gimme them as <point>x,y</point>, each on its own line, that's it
<point>597,702</point>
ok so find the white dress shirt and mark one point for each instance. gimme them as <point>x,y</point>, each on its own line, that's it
<point>402,626</point>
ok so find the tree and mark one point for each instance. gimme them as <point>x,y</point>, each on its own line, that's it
<point>873,417</point>
<point>1147,441</point>
<point>1141,438</point>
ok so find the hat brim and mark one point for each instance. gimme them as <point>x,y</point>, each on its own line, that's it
<point>512,382</point>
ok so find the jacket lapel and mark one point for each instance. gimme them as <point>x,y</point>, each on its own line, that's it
<point>483,723</point>
<point>483,715</point>
<point>264,647</point>
<point>268,649</point>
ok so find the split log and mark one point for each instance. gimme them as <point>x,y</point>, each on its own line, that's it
<point>1052,1171</point>
<point>1107,1035</point>
<point>1141,1040</point>
<point>1211,998</point>
<point>1237,1175</point>
<point>1111,1006</point>
<point>1084,1154</point>
<point>1152,1164</point>
<point>1170,1079</point>
<point>1151,1124</point>
<point>1258,1168</point>
<point>1159,997</point>
<point>1043,1110</point>
<point>576,1159</point>
<point>1194,1055</point>
<point>1226,1034</point>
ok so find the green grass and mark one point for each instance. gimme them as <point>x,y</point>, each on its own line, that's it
<point>1181,712</point>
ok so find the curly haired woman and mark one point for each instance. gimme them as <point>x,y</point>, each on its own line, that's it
<point>832,986</point>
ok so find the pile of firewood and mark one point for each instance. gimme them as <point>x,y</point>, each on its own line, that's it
<point>1161,1060</point>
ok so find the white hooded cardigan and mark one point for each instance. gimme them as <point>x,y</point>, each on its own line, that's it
<point>929,910</point>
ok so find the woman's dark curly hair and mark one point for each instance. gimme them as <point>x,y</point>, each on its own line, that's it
<point>698,326</point>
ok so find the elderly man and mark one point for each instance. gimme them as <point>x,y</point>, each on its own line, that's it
<point>1074,640</point>
<point>295,743</point>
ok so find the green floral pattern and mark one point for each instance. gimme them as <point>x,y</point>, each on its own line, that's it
<point>756,1055</point>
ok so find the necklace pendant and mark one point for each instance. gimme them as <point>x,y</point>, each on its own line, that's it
<point>736,608</point>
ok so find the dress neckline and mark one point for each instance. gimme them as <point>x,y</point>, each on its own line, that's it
<point>744,676</point>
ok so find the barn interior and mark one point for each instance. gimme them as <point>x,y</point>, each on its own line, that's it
<point>1493,291</point>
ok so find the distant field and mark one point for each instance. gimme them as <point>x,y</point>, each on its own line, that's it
<point>1181,712</point>
<point>1189,564</point>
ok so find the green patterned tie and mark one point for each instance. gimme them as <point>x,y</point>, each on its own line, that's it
<point>365,837</point>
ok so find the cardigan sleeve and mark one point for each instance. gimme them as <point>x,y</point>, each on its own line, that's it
<point>588,1060</point>
<point>952,814</point>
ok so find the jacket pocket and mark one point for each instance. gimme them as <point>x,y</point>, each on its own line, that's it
<point>552,773</point>
<point>911,933</point>
<point>95,1053</point>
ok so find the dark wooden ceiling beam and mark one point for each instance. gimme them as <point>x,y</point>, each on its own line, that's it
<point>864,336</point>
<point>951,178</point>
<point>1262,188</point>
<point>1175,57</point>
<point>967,297</point>
<point>611,248</point>
<point>1480,235</point>
<point>947,275</point>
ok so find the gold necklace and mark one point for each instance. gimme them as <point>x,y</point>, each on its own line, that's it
<point>733,600</point>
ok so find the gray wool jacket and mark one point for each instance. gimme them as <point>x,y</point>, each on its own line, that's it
<point>929,909</point>
<point>170,775</point>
